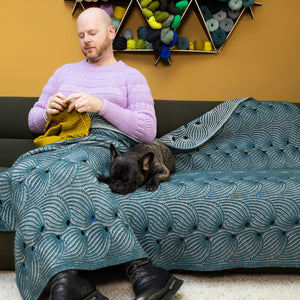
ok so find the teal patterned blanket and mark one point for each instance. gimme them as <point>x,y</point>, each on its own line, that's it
<point>234,200</point>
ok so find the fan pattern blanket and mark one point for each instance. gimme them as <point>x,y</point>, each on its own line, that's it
<point>233,202</point>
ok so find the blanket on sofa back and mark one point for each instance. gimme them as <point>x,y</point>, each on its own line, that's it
<point>233,202</point>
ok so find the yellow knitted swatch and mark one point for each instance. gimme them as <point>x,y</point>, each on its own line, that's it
<point>64,126</point>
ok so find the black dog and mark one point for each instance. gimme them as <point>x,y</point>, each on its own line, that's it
<point>145,163</point>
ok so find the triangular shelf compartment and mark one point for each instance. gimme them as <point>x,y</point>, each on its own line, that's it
<point>193,16</point>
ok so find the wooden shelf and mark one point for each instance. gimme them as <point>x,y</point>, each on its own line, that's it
<point>192,4</point>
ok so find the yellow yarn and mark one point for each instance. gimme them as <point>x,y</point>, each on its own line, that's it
<point>130,44</point>
<point>153,24</point>
<point>207,46</point>
<point>119,12</point>
<point>199,45</point>
<point>191,47</point>
<point>64,126</point>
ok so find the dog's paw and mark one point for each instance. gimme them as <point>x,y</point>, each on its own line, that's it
<point>151,187</point>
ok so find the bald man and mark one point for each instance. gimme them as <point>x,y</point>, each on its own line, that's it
<point>114,94</point>
<point>119,98</point>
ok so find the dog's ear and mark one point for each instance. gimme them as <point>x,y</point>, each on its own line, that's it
<point>113,152</point>
<point>146,160</point>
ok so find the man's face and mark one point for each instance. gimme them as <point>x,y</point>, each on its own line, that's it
<point>95,38</point>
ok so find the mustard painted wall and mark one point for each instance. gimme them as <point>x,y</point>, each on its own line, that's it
<point>261,58</point>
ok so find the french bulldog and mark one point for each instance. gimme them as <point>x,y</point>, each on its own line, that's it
<point>148,163</point>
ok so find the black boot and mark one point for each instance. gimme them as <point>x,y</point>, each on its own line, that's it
<point>151,283</point>
<point>69,285</point>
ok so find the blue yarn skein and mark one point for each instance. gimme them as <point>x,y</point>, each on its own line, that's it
<point>142,32</point>
<point>247,3</point>
<point>226,24</point>
<point>183,43</point>
<point>165,52</point>
<point>205,12</point>
<point>219,37</point>
<point>175,40</point>
<point>212,24</point>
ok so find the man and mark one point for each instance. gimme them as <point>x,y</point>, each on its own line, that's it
<point>111,90</point>
<point>116,96</point>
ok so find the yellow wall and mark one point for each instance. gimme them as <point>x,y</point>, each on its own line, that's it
<point>261,58</point>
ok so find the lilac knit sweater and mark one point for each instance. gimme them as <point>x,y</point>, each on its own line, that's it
<point>128,103</point>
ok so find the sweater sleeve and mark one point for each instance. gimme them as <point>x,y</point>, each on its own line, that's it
<point>36,116</point>
<point>138,119</point>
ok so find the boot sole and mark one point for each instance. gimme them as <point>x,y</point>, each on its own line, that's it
<point>166,293</point>
<point>95,295</point>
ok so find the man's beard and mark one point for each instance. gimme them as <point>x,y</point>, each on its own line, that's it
<point>98,52</point>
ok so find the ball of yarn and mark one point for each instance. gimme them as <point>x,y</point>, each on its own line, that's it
<point>145,3</point>
<point>224,6</point>
<point>234,14</point>
<point>212,24</point>
<point>191,47</point>
<point>172,8</point>
<point>247,3</point>
<point>149,45</point>
<point>164,5</point>
<point>153,24</point>
<point>130,44</point>
<point>220,15</point>
<point>165,52</point>
<point>142,32</point>
<point>235,4</point>
<point>127,34</point>
<point>119,43</point>
<point>157,45</point>
<point>140,44</point>
<point>219,37</point>
<point>161,16</point>
<point>205,12</point>
<point>147,13</point>
<point>176,22</point>
<point>154,5</point>
<point>108,8</point>
<point>181,6</point>
<point>183,43</point>
<point>213,6</point>
<point>226,25</point>
<point>153,35</point>
<point>119,12</point>
<point>166,35</point>
<point>168,22</point>
<point>115,22</point>
<point>207,46</point>
<point>199,45</point>
<point>174,41</point>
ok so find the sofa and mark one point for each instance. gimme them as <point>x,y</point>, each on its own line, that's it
<point>267,236</point>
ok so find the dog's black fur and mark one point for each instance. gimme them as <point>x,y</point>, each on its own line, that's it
<point>145,163</point>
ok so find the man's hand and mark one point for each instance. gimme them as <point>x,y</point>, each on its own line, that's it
<point>83,102</point>
<point>55,105</point>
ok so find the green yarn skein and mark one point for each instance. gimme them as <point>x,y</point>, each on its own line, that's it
<point>176,22</point>
<point>147,13</point>
<point>161,16</point>
<point>145,3</point>
<point>182,5</point>
<point>154,6</point>
<point>140,44</point>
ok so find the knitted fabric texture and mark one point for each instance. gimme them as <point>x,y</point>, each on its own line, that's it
<point>128,103</point>
<point>64,126</point>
